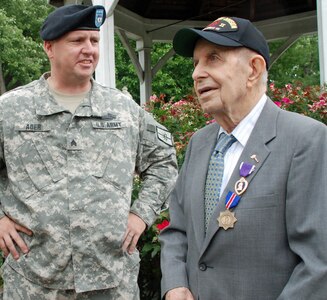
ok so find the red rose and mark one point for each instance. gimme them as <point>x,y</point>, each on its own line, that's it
<point>163,224</point>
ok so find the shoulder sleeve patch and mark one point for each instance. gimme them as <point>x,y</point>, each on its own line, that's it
<point>164,136</point>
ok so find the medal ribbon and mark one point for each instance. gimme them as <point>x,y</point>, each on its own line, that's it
<point>246,169</point>
<point>227,219</point>
<point>231,200</point>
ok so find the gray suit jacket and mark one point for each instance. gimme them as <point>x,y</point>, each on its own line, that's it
<point>278,246</point>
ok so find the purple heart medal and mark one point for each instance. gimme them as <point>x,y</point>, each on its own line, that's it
<point>245,170</point>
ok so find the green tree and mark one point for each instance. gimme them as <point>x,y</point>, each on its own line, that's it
<point>300,63</point>
<point>172,80</point>
<point>22,58</point>
<point>125,71</point>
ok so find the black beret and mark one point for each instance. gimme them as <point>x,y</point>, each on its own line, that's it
<point>72,17</point>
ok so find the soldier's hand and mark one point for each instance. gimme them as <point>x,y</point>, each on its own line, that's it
<point>9,237</point>
<point>180,293</point>
<point>135,227</point>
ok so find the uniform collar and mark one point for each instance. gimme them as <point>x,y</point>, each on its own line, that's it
<point>46,105</point>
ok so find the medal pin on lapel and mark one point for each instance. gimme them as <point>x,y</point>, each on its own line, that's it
<point>240,186</point>
<point>254,157</point>
<point>226,219</point>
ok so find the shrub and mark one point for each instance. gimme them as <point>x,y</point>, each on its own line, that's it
<point>182,118</point>
<point>310,101</point>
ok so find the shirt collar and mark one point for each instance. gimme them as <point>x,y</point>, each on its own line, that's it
<point>46,104</point>
<point>244,129</point>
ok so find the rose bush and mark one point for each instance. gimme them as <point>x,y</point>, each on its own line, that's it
<point>310,101</point>
<point>181,117</point>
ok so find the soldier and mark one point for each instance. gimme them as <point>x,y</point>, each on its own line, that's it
<point>69,148</point>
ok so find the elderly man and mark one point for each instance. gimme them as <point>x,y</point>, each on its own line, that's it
<point>69,148</point>
<point>248,213</point>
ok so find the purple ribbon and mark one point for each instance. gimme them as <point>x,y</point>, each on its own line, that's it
<point>246,169</point>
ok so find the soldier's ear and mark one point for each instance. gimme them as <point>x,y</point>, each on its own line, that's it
<point>47,46</point>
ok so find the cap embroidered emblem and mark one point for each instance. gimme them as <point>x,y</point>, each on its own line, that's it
<point>222,24</point>
<point>98,17</point>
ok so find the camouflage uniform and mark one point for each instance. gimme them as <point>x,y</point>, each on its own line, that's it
<point>69,179</point>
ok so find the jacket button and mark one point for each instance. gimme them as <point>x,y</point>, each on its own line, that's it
<point>202,267</point>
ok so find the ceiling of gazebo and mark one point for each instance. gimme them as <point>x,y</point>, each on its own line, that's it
<point>277,19</point>
<point>162,18</point>
<point>202,10</point>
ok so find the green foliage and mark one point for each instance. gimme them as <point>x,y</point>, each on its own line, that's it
<point>172,79</point>
<point>182,118</point>
<point>149,246</point>
<point>28,15</point>
<point>125,71</point>
<point>300,63</point>
<point>21,54</point>
<point>310,101</point>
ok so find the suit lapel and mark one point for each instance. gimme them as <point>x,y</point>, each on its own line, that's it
<point>263,132</point>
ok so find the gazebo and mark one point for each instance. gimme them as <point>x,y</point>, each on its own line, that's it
<point>151,21</point>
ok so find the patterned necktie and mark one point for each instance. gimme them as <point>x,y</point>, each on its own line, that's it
<point>215,175</point>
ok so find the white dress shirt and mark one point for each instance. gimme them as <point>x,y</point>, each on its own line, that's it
<point>242,133</point>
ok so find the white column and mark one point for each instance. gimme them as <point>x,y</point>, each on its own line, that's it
<point>144,47</point>
<point>105,71</point>
<point>322,39</point>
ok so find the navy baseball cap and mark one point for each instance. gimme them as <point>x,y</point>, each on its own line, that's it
<point>225,31</point>
<point>72,17</point>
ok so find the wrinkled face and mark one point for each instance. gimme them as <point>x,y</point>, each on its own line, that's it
<point>75,55</point>
<point>220,78</point>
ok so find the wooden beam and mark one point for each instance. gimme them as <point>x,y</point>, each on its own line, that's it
<point>279,52</point>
